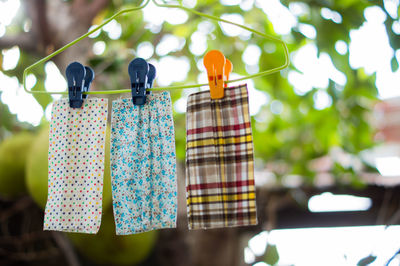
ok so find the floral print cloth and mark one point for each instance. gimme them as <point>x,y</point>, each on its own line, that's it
<point>143,165</point>
<point>76,166</point>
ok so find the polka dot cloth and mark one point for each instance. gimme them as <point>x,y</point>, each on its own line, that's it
<point>76,166</point>
<point>143,165</point>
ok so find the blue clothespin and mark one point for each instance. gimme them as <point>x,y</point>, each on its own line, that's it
<point>150,78</point>
<point>89,76</point>
<point>75,73</point>
<point>138,69</point>
<point>79,79</point>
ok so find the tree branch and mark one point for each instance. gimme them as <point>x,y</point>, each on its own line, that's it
<point>24,41</point>
<point>30,255</point>
<point>23,239</point>
<point>20,205</point>
<point>384,206</point>
<point>95,7</point>
<point>43,26</point>
<point>85,11</point>
<point>38,38</point>
<point>64,244</point>
<point>395,218</point>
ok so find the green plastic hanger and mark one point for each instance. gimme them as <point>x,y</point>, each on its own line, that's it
<point>145,3</point>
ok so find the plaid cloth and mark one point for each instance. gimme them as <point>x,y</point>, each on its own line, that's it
<point>219,160</point>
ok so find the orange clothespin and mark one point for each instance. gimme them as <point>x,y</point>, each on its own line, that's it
<point>227,70</point>
<point>215,62</point>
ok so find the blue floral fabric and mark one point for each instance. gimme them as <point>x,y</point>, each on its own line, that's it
<point>143,165</point>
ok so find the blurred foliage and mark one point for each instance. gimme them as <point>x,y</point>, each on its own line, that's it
<point>9,123</point>
<point>301,132</point>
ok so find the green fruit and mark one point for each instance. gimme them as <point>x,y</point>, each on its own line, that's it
<point>107,196</point>
<point>107,248</point>
<point>13,157</point>
<point>37,170</point>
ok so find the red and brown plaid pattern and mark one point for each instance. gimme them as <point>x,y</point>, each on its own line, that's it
<point>219,160</point>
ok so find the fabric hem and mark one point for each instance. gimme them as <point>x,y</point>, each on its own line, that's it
<point>222,226</point>
<point>144,231</point>
<point>70,231</point>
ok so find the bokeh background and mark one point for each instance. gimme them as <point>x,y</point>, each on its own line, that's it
<point>326,130</point>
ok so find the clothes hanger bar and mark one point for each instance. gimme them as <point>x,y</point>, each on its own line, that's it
<point>145,3</point>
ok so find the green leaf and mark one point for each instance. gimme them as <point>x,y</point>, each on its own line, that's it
<point>366,261</point>
<point>271,255</point>
<point>42,99</point>
<point>6,118</point>
<point>394,64</point>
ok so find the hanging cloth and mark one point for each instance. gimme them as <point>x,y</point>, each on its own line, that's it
<point>219,160</point>
<point>143,165</point>
<point>76,166</point>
